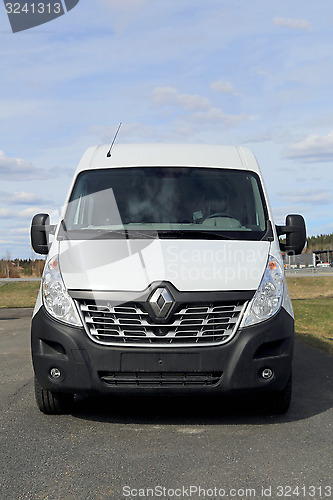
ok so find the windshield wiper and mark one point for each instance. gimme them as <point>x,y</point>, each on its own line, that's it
<point>100,233</point>
<point>138,234</point>
<point>191,233</point>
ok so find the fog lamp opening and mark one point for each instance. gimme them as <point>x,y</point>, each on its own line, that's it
<point>55,373</point>
<point>267,373</point>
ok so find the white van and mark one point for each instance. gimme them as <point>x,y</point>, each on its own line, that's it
<point>164,274</point>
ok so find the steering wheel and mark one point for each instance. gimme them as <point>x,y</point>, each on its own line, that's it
<point>222,214</point>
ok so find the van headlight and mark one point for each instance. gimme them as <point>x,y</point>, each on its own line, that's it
<point>268,298</point>
<point>56,299</point>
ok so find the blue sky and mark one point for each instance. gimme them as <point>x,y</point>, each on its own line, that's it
<point>228,72</point>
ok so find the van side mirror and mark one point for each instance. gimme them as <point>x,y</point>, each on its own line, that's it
<point>295,232</point>
<point>40,230</point>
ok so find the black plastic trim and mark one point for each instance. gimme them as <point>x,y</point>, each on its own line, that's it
<point>179,296</point>
<point>80,360</point>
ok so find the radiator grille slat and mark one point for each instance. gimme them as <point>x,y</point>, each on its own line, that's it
<point>160,379</point>
<point>191,324</point>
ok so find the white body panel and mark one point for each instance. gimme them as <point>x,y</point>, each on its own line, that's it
<point>190,265</point>
<point>129,155</point>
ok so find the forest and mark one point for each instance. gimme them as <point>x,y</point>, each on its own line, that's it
<point>320,242</point>
<point>21,268</point>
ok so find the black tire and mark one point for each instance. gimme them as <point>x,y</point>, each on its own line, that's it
<point>52,403</point>
<point>278,402</point>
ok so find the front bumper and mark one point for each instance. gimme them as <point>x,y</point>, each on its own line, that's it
<point>88,367</point>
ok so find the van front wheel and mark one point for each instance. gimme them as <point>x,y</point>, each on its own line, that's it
<point>52,403</point>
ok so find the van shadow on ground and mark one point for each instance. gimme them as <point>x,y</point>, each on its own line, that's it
<point>312,395</point>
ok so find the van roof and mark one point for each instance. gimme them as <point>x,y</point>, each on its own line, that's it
<point>126,155</point>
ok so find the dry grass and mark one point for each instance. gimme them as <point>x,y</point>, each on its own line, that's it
<point>313,307</point>
<point>18,294</point>
<point>314,322</point>
<point>308,287</point>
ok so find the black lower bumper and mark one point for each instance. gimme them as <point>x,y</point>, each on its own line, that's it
<point>88,367</point>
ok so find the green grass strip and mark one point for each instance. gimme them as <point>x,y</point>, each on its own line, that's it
<point>18,294</point>
<point>314,322</point>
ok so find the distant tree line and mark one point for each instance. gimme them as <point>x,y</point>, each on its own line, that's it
<point>20,268</point>
<point>320,242</point>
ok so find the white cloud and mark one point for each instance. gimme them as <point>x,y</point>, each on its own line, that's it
<point>216,115</point>
<point>280,213</point>
<point>202,112</point>
<point>23,198</point>
<point>223,87</point>
<point>27,213</point>
<point>308,196</point>
<point>314,148</point>
<point>166,96</point>
<point>5,213</point>
<point>260,137</point>
<point>16,169</point>
<point>296,24</point>
<point>20,230</point>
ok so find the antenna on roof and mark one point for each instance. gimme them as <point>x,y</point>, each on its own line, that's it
<point>114,139</point>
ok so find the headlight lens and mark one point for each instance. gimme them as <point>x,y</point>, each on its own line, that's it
<point>56,299</point>
<point>268,298</point>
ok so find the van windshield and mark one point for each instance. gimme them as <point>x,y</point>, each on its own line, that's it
<point>178,202</point>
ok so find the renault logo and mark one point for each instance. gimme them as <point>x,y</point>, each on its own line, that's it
<point>161,302</point>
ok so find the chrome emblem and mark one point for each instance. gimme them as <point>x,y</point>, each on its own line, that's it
<point>161,302</point>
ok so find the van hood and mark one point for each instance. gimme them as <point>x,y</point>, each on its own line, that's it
<point>197,265</point>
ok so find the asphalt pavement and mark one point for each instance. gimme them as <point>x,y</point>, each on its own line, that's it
<point>152,447</point>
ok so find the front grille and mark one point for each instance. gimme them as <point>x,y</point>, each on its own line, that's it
<point>131,325</point>
<point>171,379</point>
